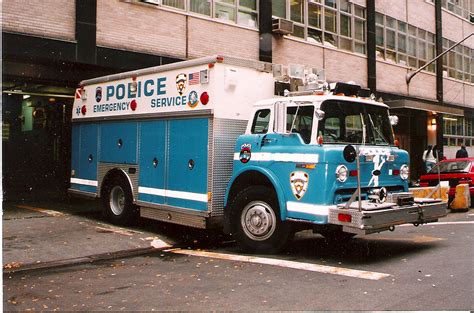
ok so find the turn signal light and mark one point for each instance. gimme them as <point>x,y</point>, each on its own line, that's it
<point>320,140</point>
<point>346,218</point>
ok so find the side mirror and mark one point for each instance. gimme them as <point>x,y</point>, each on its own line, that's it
<point>319,114</point>
<point>393,120</point>
<point>349,153</point>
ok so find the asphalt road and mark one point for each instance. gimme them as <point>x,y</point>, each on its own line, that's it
<point>414,268</point>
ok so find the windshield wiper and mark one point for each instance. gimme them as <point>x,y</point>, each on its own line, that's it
<point>364,129</point>
<point>294,119</point>
<point>378,134</point>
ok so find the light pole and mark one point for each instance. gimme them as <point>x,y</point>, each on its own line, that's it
<point>411,74</point>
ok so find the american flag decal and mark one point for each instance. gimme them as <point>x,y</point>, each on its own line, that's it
<point>194,78</point>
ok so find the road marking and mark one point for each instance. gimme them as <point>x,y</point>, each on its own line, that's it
<point>283,263</point>
<point>40,210</point>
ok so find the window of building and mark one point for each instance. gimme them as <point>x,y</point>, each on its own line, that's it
<point>179,4</point>
<point>458,130</point>
<point>200,6</point>
<point>458,63</point>
<point>462,8</point>
<point>336,23</point>
<point>242,12</point>
<point>399,42</point>
<point>279,8</point>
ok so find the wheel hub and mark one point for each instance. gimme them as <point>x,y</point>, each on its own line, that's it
<point>117,200</point>
<point>258,220</point>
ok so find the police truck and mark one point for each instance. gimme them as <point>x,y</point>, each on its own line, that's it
<point>208,144</point>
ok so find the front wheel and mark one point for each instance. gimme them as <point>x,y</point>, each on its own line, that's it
<point>117,203</point>
<point>256,223</point>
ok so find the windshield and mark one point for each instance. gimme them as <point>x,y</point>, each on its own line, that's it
<point>355,122</point>
<point>451,167</point>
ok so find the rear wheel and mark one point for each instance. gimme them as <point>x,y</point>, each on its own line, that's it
<point>117,202</point>
<point>256,223</point>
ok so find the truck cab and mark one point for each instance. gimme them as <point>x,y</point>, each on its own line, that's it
<point>294,168</point>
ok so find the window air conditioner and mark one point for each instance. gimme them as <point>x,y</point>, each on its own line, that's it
<point>282,26</point>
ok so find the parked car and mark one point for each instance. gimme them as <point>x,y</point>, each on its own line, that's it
<point>455,171</point>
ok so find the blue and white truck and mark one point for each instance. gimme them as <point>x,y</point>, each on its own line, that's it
<point>207,144</point>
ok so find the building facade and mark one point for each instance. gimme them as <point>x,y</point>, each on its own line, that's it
<point>49,46</point>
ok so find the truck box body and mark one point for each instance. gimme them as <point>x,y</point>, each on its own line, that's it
<point>175,149</point>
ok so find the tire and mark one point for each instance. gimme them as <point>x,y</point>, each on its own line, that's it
<point>117,202</point>
<point>255,221</point>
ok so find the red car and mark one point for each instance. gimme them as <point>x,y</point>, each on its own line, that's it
<point>455,171</point>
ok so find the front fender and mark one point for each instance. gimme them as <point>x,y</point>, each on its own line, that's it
<point>270,176</point>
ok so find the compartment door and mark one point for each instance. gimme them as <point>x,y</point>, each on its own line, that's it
<point>118,142</point>
<point>151,179</point>
<point>84,157</point>
<point>187,175</point>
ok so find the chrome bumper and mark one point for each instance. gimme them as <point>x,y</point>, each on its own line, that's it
<point>373,218</point>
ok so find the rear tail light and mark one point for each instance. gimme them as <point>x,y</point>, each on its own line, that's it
<point>343,217</point>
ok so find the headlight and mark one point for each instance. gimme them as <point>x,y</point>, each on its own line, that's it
<point>341,173</point>
<point>404,172</point>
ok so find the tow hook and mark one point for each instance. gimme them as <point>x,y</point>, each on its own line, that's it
<point>416,224</point>
<point>391,228</point>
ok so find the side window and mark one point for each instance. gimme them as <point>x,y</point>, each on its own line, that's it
<point>302,123</point>
<point>261,121</point>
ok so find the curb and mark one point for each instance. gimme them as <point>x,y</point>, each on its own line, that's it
<point>30,267</point>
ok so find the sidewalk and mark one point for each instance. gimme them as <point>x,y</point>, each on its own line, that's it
<point>43,235</point>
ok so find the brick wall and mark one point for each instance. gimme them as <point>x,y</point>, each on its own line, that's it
<point>140,27</point>
<point>207,38</point>
<point>147,28</point>
<point>44,18</point>
<point>393,8</point>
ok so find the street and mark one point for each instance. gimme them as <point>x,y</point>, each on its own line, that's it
<point>413,268</point>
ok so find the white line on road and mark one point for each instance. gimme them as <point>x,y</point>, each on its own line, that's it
<point>283,263</point>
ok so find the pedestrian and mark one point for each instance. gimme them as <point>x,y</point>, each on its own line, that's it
<point>462,152</point>
<point>429,157</point>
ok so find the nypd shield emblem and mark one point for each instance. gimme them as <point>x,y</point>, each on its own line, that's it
<point>98,94</point>
<point>299,183</point>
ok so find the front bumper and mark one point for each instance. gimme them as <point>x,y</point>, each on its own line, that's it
<point>373,218</point>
